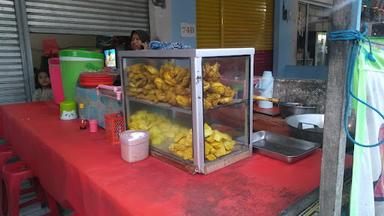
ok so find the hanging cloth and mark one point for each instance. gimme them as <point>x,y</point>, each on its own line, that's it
<point>367,197</point>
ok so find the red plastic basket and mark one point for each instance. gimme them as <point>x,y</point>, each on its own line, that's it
<point>114,125</point>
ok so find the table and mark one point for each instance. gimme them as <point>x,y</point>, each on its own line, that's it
<point>80,169</point>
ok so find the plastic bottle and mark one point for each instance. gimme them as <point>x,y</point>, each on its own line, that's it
<point>266,89</point>
<point>81,111</point>
<point>83,119</point>
<point>93,125</point>
<point>68,110</point>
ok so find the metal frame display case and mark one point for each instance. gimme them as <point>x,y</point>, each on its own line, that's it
<point>195,103</point>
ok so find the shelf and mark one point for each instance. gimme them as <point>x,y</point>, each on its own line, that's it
<point>161,105</point>
<point>235,102</point>
<point>181,109</point>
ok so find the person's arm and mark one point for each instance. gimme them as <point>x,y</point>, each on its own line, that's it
<point>144,45</point>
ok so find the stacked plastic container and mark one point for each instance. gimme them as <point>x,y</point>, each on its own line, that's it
<point>266,89</point>
<point>55,76</point>
<point>74,62</point>
<point>134,145</point>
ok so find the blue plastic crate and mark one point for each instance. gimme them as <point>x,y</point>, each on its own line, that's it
<point>95,107</point>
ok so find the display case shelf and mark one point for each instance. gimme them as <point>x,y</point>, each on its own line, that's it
<point>234,103</point>
<point>181,109</point>
<point>161,105</point>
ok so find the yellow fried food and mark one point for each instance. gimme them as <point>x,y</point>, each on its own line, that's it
<point>217,87</point>
<point>216,144</point>
<point>211,72</point>
<point>171,84</point>
<point>159,82</point>
<point>180,90</point>
<point>226,100</point>
<point>169,78</point>
<point>229,92</point>
<point>137,80</point>
<point>211,157</point>
<point>152,70</point>
<point>207,130</point>
<point>173,74</point>
<point>149,86</point>
<point>186,80</point>
<point>208,104</point>
<point>206,86</point>
<point>168,66</point>
<point>183,101</point>
<point>161,129</point>
<point>182,75</point>
<point>135,68</point>
<point>160,95</point>
<point>171,98</point>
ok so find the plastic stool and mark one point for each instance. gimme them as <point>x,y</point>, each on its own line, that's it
<point>13,175</point>
<point>5,155</point>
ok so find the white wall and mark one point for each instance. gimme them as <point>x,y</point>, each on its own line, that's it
<point>64,41</point>
<point>160,21</point>
<point>166,23</point>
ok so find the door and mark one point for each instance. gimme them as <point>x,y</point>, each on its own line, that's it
<point>12,81</point>
<point>89,17</point>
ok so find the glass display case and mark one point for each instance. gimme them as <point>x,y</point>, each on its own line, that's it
<point>195,103</point>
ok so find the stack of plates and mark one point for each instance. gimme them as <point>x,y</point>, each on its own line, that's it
<point>93,79</point>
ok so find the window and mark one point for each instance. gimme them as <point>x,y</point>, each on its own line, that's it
<point>312,27</point>
<point>230,23</point>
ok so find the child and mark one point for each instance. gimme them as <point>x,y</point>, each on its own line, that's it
<point>43,90</point>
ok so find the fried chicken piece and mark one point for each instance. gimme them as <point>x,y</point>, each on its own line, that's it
<point>183,101</point>
<point>211,72</point>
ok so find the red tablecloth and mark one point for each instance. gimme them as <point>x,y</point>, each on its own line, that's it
<point>82,170</point>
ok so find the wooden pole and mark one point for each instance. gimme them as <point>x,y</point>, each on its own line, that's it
<point>332,167</point>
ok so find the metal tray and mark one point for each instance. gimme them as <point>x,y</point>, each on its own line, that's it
<point>282,147</point>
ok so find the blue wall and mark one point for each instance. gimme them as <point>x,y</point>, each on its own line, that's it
<point>284,44</point>
<point>183,11</point>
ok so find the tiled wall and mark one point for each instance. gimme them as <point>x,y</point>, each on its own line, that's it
<point>303,91</point>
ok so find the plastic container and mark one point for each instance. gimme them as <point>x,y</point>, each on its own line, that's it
<point>93,125</point>
<point>266,89</point>
<point>55,77</point>
<point>82,114</point>
<point>113,92</point>
<point>93,79</point>
<point>72,63</point>
<point>134,145</point>
<point>114,125</point>
<point>68,110</point>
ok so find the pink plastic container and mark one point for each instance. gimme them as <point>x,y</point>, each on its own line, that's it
<point>93,125</point>
<point>55,76</point>
<point>134,145</point>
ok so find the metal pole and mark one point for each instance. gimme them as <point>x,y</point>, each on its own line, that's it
<point>332,167</point>
<point>25,47</point>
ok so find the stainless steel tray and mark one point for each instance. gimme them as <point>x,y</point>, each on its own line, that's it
<point>282,147</point>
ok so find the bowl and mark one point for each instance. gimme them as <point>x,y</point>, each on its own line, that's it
<point>292,108</point>
<point>310,127</point>
<point>307,126</point>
